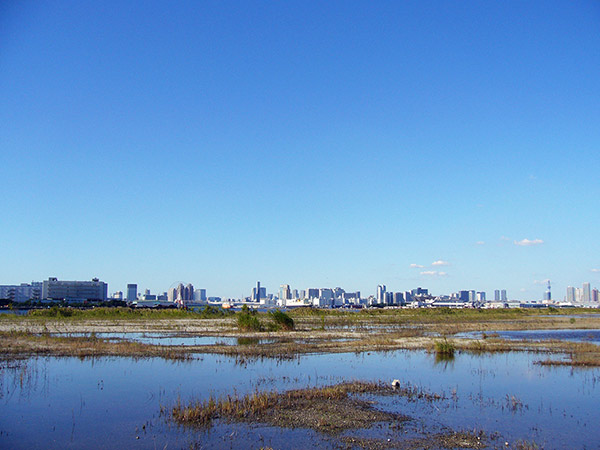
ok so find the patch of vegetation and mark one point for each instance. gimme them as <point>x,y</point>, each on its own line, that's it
<point>120,313</point>
<point>329,409</point>
<point>247,320</point>
<point>20,343</point>
<point>282,320</point>
<point>444,348</point>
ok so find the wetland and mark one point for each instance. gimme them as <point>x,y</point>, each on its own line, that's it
<point>115,379</point>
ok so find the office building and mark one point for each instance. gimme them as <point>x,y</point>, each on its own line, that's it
<point>55,289</point>
<point>587,294</point>
<point>497,295</point>
<point>595,295</point>
<point>312,293</point>
<point>284,292</point>
<point>381,293</point>
<point>503,296</point>
<point>463,296</point>
<point>131,292</point>
<point>570,294</point>
<point>398,298</point>
<point>21,292</point>
<point>200,295</point>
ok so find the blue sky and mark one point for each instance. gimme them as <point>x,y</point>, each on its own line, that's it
<point>309,143</point>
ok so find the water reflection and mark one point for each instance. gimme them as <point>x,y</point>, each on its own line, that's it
<point>59,402</point>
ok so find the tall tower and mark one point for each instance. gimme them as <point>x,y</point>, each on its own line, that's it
<point>548,295</point>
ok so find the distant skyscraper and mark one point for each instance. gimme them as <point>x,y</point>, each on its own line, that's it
<point>284,292</point>
<point>570,294</point>
<point>200,295</point>
<point>587,294</point>
<point>595,295</point>
<point>481,296</point>
<point>503,295</point>
<point>257,293</point>
<point>463,296</point>
<point>381,293</point>
<point>497,295</point>
<point>131,292</point>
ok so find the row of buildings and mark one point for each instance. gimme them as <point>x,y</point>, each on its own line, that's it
<point>184,295</point>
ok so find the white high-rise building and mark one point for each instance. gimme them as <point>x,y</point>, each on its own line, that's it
<point>587,293</point>
<point>381,293</point>
<point>570,294</point>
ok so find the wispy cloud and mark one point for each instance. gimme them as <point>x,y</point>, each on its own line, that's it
<point>440,262</point>
<point>528,243</point>
<point>504,238</point>
<point>541,281</point>
<point>595,270</point>
<point>433,273</point>
<point>416,266</point>
<point>480,243</point>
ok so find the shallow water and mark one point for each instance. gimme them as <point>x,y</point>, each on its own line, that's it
<point>106,402</point>
<point>592,336</point>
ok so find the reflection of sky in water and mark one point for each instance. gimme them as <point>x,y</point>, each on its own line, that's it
<point>56,403</point>
<point>538,335</point>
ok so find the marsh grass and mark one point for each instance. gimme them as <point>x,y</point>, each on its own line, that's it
<point>21,343</point>
<point>329,409</point>
<point>123,313</point>
<point>444,348</point>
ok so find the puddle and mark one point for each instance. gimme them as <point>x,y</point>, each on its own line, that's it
<point>592,336</point>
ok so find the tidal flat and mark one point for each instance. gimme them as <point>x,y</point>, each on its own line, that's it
<point>89,382</point>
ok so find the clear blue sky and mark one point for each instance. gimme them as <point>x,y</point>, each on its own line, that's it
<point>311,143</point>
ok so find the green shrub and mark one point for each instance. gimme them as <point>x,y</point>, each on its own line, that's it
<point>247,320</point>
<point>282,320</point>
<point>444,348</point>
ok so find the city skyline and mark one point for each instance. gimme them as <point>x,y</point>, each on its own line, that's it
<point>452,146</point>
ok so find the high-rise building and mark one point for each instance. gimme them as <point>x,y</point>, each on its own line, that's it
<point>398,298</point>
<point>419,291</point>
<point>497,295</point>
<point>548,293</point>
<point>257,293</point>
<point>587,294</point>
<point>381,293</point>
<point>481,296</point>
<point>570,294</point>
<point>463,296</point>
<point>595,295</point>
<point>503,295</point>
<point>312,293</point>
<point>284,292</point>
<point>54,289</point>
<point>200,295</point>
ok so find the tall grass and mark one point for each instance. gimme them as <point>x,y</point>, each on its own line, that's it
<point>121,313</point>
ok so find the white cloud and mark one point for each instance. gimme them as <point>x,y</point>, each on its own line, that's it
<point>479,243</point>
<point>433,273</point>
<point>504,238</point>
<point>416,266</point>
<point>595,270</point>
<point>541,281</point>
<point>439,262</point>
<point>528,243</point>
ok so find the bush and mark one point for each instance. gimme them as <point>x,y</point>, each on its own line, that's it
<point>444,348</point>
<point>247,320</point>
<point>282,320</point>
